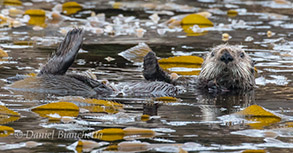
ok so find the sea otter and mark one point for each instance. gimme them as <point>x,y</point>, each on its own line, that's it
<point>52,78</point>
<point>225,68</point>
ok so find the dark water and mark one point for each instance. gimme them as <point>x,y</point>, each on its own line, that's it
<point>199,122</point>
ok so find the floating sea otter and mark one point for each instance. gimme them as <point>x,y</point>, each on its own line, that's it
<point>225,67</point>
<point>52,78</point>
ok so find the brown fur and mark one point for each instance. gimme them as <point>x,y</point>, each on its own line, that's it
<point>236,74</point>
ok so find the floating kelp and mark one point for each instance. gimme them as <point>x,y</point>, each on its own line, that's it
<point>95,105</point>
<point>85,145</point>
<point>112,134</point>
<point>12,2</point>
<point>58,108</point>
<point>232,13</point>
<point>7,115</point>
<point>6,131</point>
<point>26,43</point>
<point>37,17</point>
<point>192,24</point>
<point>3,53</point>
<point>183,65</point>
<point>70,8</point>
<point>145,117</point>
<point>259,115</point>
<point>167,99</point>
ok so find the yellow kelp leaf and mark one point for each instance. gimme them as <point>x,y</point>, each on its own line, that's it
<point>96,105</point>
<point>256,111</point>
<point>167,99</point>
<point>35,12</point>
<point>289,124</point>
<point>258,114</point>
<point>182,60</point>
<point>196,19</point>
<point>112,148</point>
<point>191,63</point>
<point>262,121</point>
<point>117,5</point>
<point>188,29</point>
<point>3,53</point>
<point>101,109</point>
<point>32,74</point>
<point>69,8</point>
<point>12,2</point>
<point>86,145</point>
<point>254,151</point>
<point>37,17</point>
<point>110,134</point>
<point>28,43</point>
<point>53,119</point>
<point>189,21</point>
<point>79,146</point>
<point>3,19</point>
<point>145,117</point>
<point>5,111</point>
<point>141,132</point>
<point>232,13</point>
<point>7,115</point>
<point>60,108</point>
<point>6,131</point>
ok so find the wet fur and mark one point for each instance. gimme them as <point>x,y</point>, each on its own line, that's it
<point>53,78</point>
<point>237,74</point>
<point>215,74</point>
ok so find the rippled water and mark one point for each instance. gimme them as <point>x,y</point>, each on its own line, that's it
<point>199,122</point>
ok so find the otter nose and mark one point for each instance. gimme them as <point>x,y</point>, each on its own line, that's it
<point>226,57</point>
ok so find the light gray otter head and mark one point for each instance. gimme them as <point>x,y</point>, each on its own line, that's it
<point>227,67</point>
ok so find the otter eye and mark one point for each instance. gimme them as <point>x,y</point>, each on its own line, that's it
<point>212,54</point>
<point>242,55</point>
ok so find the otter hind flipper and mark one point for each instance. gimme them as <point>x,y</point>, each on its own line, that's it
<point>152,71</point>
<point>65,54</point>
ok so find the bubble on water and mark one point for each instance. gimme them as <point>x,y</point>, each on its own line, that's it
<point>37,28</point>
<point>249,38</point>
<point>161,32</point>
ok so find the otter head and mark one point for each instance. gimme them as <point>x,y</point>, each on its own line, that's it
<point>228,67</point>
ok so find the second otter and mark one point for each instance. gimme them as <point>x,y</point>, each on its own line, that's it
<point>225,68</point>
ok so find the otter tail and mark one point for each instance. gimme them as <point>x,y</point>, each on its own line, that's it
<point>152,71</point>
<point>65,54</point>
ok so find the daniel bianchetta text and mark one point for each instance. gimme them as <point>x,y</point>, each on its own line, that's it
<point>54,134</point>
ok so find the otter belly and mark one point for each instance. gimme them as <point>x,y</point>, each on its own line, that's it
<point>147,88</point>
<point>61,85</point>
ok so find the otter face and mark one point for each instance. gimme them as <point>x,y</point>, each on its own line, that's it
<point>229,67</point>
